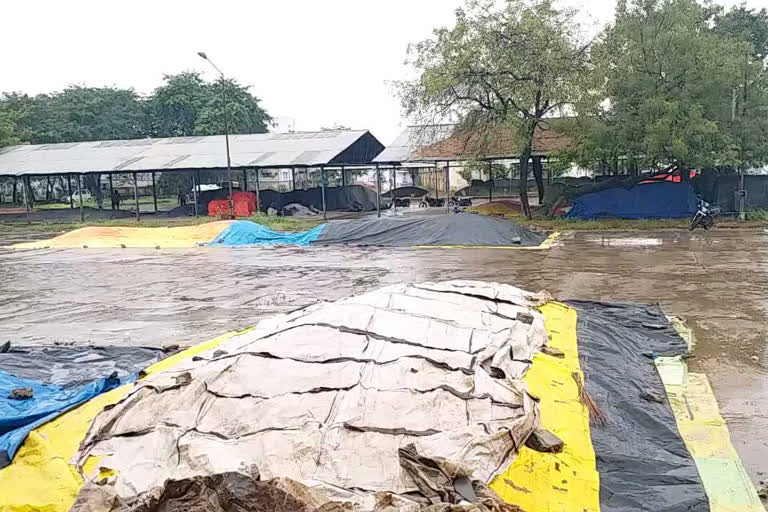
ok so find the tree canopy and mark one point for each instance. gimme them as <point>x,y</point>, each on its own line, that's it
<point>680,87</point>
<point>184,105</point>
<point>500,66</point>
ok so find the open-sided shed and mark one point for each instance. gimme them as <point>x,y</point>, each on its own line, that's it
<point>323,149</point>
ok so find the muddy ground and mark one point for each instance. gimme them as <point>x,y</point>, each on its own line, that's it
<point>717,280</point>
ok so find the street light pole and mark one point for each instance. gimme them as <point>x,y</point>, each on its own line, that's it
<point>226,130</point>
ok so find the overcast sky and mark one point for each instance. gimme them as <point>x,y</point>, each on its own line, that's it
<point>316,62</point>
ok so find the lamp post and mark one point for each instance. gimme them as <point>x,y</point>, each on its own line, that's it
<point>226,130</point>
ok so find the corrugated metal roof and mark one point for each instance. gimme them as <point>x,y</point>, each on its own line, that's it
<point>143,155</point>
<point>412,139</point>
<point>443,142</point>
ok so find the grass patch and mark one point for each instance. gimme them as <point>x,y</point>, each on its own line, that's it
<point>757,215</point>
<point>561,224</point>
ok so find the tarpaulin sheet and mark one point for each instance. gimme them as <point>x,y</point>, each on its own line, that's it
<point>350,198</point>
<point>117,237</point>
<point>60,378</point>
<point>249,233</point>
<point>663,200</point>
<point>41,477</point>
<point>568,480</point>
<point>70,366</point>
<point>706,435</point>
<point>430,230</point>
<point>642,460</point>
<point>331,394</point>
<point>19,417</point>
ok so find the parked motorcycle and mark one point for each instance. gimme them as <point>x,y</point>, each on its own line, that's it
<point>705,215</point>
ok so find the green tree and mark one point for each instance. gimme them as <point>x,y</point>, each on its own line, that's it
<point>185,105</point>
<point>76,114</point>
<point>748,25</point>
<point>7,130</point>
<point>499,69</point>
<point>674,88</point>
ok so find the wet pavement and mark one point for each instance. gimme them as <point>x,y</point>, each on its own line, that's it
<point>718,281</point>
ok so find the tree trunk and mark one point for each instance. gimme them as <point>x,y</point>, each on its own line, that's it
<point>539,177</point>
<point>524,183</point>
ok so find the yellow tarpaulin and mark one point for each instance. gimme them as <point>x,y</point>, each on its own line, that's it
<point>566,481</point>
<point>116,237</point>
<point>706,435</point>
<point>41,477</point>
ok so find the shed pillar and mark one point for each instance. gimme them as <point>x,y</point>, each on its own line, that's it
<point>136,197</point>
<point>245,180</point>
<point>69,189</point>
<point>322,191</point>
<point>258,191</point>
<point>154,191</point>
<point>293,178</point>
<point>490,181</point>
<point>378,191</point>
<point>80,198</point>
<point>194,190</point>
<point>448,187</point>
<point>26,199</point>
<point>111,192</point>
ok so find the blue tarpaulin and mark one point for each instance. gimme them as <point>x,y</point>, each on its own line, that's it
<point>19,417</point>
<point>664,200</point>
<point>243,232</point>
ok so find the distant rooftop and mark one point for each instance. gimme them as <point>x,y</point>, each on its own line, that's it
<point>430,143</point>
<point>265,150</point>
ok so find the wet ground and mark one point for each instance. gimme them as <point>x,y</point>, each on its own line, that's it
<point>718,281</point>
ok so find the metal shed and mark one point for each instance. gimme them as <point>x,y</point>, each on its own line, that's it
<point>329,148</point>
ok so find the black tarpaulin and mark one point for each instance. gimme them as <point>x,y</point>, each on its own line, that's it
<point>349,198</point>
<point>642,460</point>
<point>431,230</point>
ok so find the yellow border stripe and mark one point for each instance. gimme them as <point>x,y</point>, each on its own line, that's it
<point>546,244</point>
<point>706,435</point>
<point>40,478</point>
<point>568,480</point>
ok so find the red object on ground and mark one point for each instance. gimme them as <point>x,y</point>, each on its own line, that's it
<point>246,197</point>
<point>218,208</point>
<point>245,205</point>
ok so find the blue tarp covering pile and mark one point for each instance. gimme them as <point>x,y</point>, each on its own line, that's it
<point>60,378</point>
<point>19,417</point>
<point>665,200</point>
<point>249,233</point>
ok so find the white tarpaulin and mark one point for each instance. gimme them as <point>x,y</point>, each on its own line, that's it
<point>329,396</point>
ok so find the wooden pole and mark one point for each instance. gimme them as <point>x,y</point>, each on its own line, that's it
<point>378,191</point>
<point>322,191</point>
<point>293,178</point>
<point>194,191</point>
<point>69,189</point>
<point>80,196</point>
<point>343,177</point>
<point>136,197</point>
<point>154,191</point>
<point>245,180</point>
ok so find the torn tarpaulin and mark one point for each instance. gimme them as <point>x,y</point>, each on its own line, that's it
<point>328,395</point>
